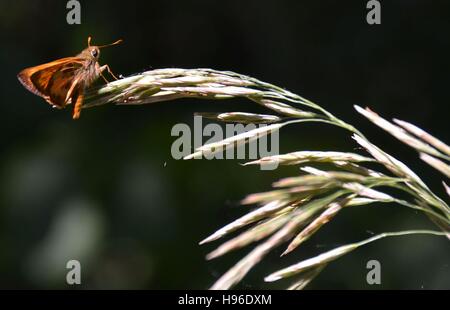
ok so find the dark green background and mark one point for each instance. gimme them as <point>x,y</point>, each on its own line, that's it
<point>105,190</point>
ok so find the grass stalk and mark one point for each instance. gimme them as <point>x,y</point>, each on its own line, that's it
<point>296,207</point>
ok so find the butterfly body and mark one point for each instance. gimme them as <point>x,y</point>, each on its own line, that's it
<point>63,81</point>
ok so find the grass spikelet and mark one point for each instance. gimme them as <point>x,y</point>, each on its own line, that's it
<point>447,188</point>
<point>260,231</point>
<point>260,213</point>
<point>302,157</point>
<point>306,277</point>
<point>399,133</point>
<point>315,225</point>
<point>331,255</point>
<point>216,147</point>
<point>366,192</point>
<point>299,216</point>
<point>242,117</point>
<point>425,136</point>
<point>436,164</point>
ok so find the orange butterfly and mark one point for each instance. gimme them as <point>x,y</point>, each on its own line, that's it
<point>63,81</point>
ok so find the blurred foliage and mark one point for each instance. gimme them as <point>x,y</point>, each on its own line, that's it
<point>105,190</point>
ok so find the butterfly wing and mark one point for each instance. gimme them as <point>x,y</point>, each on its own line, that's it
<point>54,81</point>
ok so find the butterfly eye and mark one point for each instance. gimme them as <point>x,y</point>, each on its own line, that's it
<point>94,52</point>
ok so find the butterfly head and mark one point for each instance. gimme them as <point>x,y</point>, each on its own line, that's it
<point>93,51</point>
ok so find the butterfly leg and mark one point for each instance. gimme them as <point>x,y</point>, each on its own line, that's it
<point>106,67</point>
<point>77,107</point>
<point>103,77</point>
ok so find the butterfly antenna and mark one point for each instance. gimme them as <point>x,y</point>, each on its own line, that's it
<point>115,43</point>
